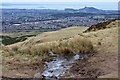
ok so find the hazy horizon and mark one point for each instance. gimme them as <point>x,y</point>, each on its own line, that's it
<point>61,5</point>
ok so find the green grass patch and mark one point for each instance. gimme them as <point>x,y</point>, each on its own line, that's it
<point>7,40</point>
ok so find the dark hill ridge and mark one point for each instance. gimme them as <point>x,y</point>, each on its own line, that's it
<point>99,26</point>
<point>92,10</point>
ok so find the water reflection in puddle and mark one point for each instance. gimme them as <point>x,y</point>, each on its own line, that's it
<point>59,66</point>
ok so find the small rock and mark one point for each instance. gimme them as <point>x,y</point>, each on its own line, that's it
<point>76,57</point>
<point>52,54</point>
<point>53,77</point>
<point>50,71</point>
<point>37,75</point>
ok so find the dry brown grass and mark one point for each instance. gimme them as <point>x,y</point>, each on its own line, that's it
<point>34,51</point>
<point>76,45</point>
<point>73,46</point>
<point>52,36</point>
<point>103,25</point>
<point>63,42</point>
<point>65,47</point>
<point>59,42</point>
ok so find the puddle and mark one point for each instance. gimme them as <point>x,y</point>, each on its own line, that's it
<point>58,66</point>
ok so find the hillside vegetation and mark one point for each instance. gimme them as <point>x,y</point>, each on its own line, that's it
<point>53,36</point>
<point>15,37</point>
<point>33,52</point>
<point>103,25</point>
<point>103,64</point>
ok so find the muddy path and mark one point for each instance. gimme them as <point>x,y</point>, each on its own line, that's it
<point>58,66</point>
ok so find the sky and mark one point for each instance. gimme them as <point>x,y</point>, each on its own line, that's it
<point>22,1</point>
<point>56,4</point>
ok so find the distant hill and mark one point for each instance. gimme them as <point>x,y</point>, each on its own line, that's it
<point>92,10</point>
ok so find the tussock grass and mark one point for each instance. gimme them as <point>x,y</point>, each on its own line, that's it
<point>65,47</point>
<point>62,42</point>
<point>56,35</point>
<point>76,45</point>
<point>15,48</point>
<point>73,46</point>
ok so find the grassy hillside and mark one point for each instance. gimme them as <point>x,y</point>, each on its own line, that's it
<point>103,25</point>
<point>62,42</point>
<point>103,64</point>
<point>54,36</point>
<point>15,37</point>
<point>32,53</point>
